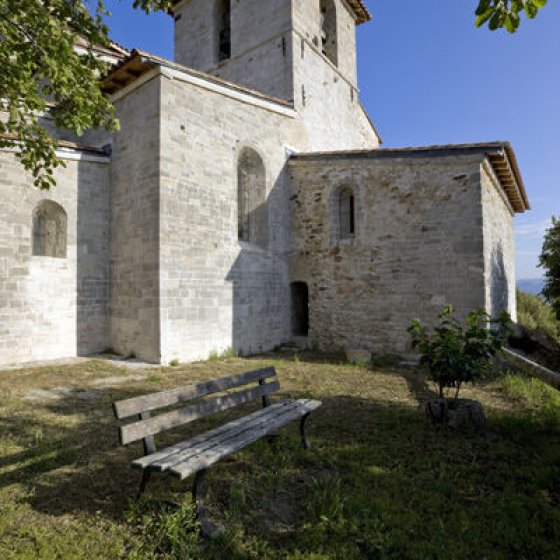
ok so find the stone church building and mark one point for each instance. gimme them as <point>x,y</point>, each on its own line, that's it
<point>246,202</point>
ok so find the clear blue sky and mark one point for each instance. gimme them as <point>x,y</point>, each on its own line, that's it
<point>427,76</point>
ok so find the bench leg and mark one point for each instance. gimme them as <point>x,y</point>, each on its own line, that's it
<point>197,491</point>
<point>145,477</point>
<point>304,440</point>
<point>207,529</point>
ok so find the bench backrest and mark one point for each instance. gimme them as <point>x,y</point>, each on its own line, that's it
<point>142,407</point>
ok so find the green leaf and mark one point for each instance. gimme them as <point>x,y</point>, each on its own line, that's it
<point>483,17</point>
<point>496,21</point>
<point>483,7</point>
<point>509,24</point>
<point>531,9</point>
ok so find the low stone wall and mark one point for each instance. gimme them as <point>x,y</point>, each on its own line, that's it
<point>519,362</point>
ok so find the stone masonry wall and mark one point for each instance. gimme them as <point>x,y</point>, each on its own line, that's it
<point>54,307</point>
<point>194,44</point>
<point>326,96</point>
<point>135,206</point>
<point>418,246</point>
<point>261,55</point>
<point>267,69</point>
<point>217,292</point>
<point>332,116</point>
<point>499,247</point>
<point>307,23</point>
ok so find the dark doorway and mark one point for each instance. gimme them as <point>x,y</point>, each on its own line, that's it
<point>300,309</point>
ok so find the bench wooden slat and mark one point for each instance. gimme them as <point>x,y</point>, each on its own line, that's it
<point>148,403</point>
<point>264,416</point>
<point>138,430</point>
<point>208,458</point>
<point>167,453</point>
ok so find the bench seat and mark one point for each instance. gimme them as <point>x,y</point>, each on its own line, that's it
<point>180,406</point>
<point>187,458</point>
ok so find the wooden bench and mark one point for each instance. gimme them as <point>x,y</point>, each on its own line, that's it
<point>195,455</point>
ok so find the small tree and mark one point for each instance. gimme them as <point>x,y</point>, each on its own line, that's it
<point>455,354</point>
<point>550,261</point>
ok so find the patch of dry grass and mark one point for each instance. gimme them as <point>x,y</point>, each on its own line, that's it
<point>379,482</point>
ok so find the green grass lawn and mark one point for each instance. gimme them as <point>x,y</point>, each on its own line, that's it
<point>379,481</point>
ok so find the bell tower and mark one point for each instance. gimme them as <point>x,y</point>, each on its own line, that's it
<point>262,44</point>
<point>301,51</point>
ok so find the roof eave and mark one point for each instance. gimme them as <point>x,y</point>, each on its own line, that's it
<point>363,15</point>
<point>504,163</point>
<point>125,72</point>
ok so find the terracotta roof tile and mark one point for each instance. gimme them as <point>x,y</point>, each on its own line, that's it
<point>114,48</point>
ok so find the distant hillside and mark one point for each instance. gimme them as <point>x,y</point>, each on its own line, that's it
<point>531,285</point>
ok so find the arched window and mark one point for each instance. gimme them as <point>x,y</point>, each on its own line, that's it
<point>329,36</point>
<point>222,26</point>
<point>347,213</point>
<point>49,230</point>
<point>300,309</point>
<point>252,213</point>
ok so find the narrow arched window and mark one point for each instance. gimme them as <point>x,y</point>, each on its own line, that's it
<point>252,212</point>
<point>329,35</point>
<point>49,230</point>
<point>300,309</point>
<point>347,213</point>
<point>222,26</point>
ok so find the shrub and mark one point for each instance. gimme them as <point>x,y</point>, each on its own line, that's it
<point>534,313</point>
<point>455,354</point>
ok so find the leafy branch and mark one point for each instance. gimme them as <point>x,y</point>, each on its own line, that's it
<point>45,83</point>
<point>506,13</point>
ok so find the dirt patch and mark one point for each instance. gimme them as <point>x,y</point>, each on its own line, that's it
<point>118,380</point>
<point>60,393</point>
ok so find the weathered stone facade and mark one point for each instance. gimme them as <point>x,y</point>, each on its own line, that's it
<point>218,291</point>
<point>216,220</point>
<point>54,307</point>
<point>431,230</point>
<point>499,249</point>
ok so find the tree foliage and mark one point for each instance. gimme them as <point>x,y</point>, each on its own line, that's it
<point>454,353</point>
<point>506,13</point>
<point>534,313</point>
<point>550,261</point>
<point>43,73</point>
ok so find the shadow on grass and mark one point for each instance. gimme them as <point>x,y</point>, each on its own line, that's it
<point>79,466</point>
<point>419,387</point>
<point>378,480</point>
